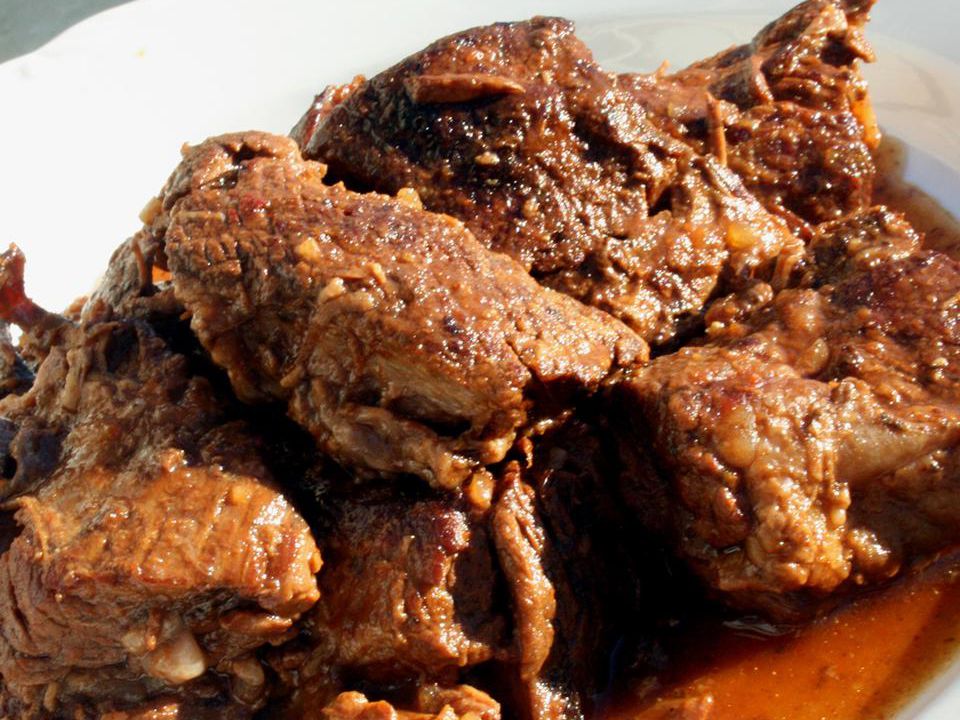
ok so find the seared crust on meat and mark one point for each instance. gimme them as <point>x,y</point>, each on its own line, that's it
<point>537,149</point>
<point>394,337</point>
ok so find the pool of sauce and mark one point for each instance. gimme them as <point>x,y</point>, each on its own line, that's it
<point>864,661</point>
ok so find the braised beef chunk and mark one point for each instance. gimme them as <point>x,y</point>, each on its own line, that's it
<point>808,56</point>
<point>408,591</point>
<point>410,603</point>
<point>789,112</point>
<point>424,591</point>
<point>785,444</point>
<point>514,129</point>
<point>809,166</point>
<point>153,554</point>
<point>447,114</point>
<point>402,344</point>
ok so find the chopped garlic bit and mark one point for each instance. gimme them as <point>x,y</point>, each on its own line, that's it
<point>740,236</point>
<point>176,660</point>
<point>333,289</point>
<point>308,250</point>
<point>409,197</point>
<point>151,210</point>
<point>487,159</point>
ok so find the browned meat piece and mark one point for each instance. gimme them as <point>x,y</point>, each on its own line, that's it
<point>465,704</point>
<point>809,166</point>
<point>516,131</point>
<point>782,451</point>
<point>407,590</point>
<point>394,337</point>
<point>558,538</point>
<point>151,554</point>
<point>789,112</point>
<point>413,587</point>
<point>809,57</point>
<point>521,545</point>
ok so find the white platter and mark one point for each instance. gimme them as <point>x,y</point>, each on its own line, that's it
<point>91,124</point>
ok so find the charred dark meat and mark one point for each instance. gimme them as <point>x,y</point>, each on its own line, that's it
<point>516,131</point>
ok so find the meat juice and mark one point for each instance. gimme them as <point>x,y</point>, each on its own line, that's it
<point>864,661</point>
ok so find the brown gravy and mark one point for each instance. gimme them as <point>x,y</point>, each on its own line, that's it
<point>866,660</point>
<point>862,662</point>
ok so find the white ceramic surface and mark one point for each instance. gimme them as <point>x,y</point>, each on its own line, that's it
<point>91,124</point>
